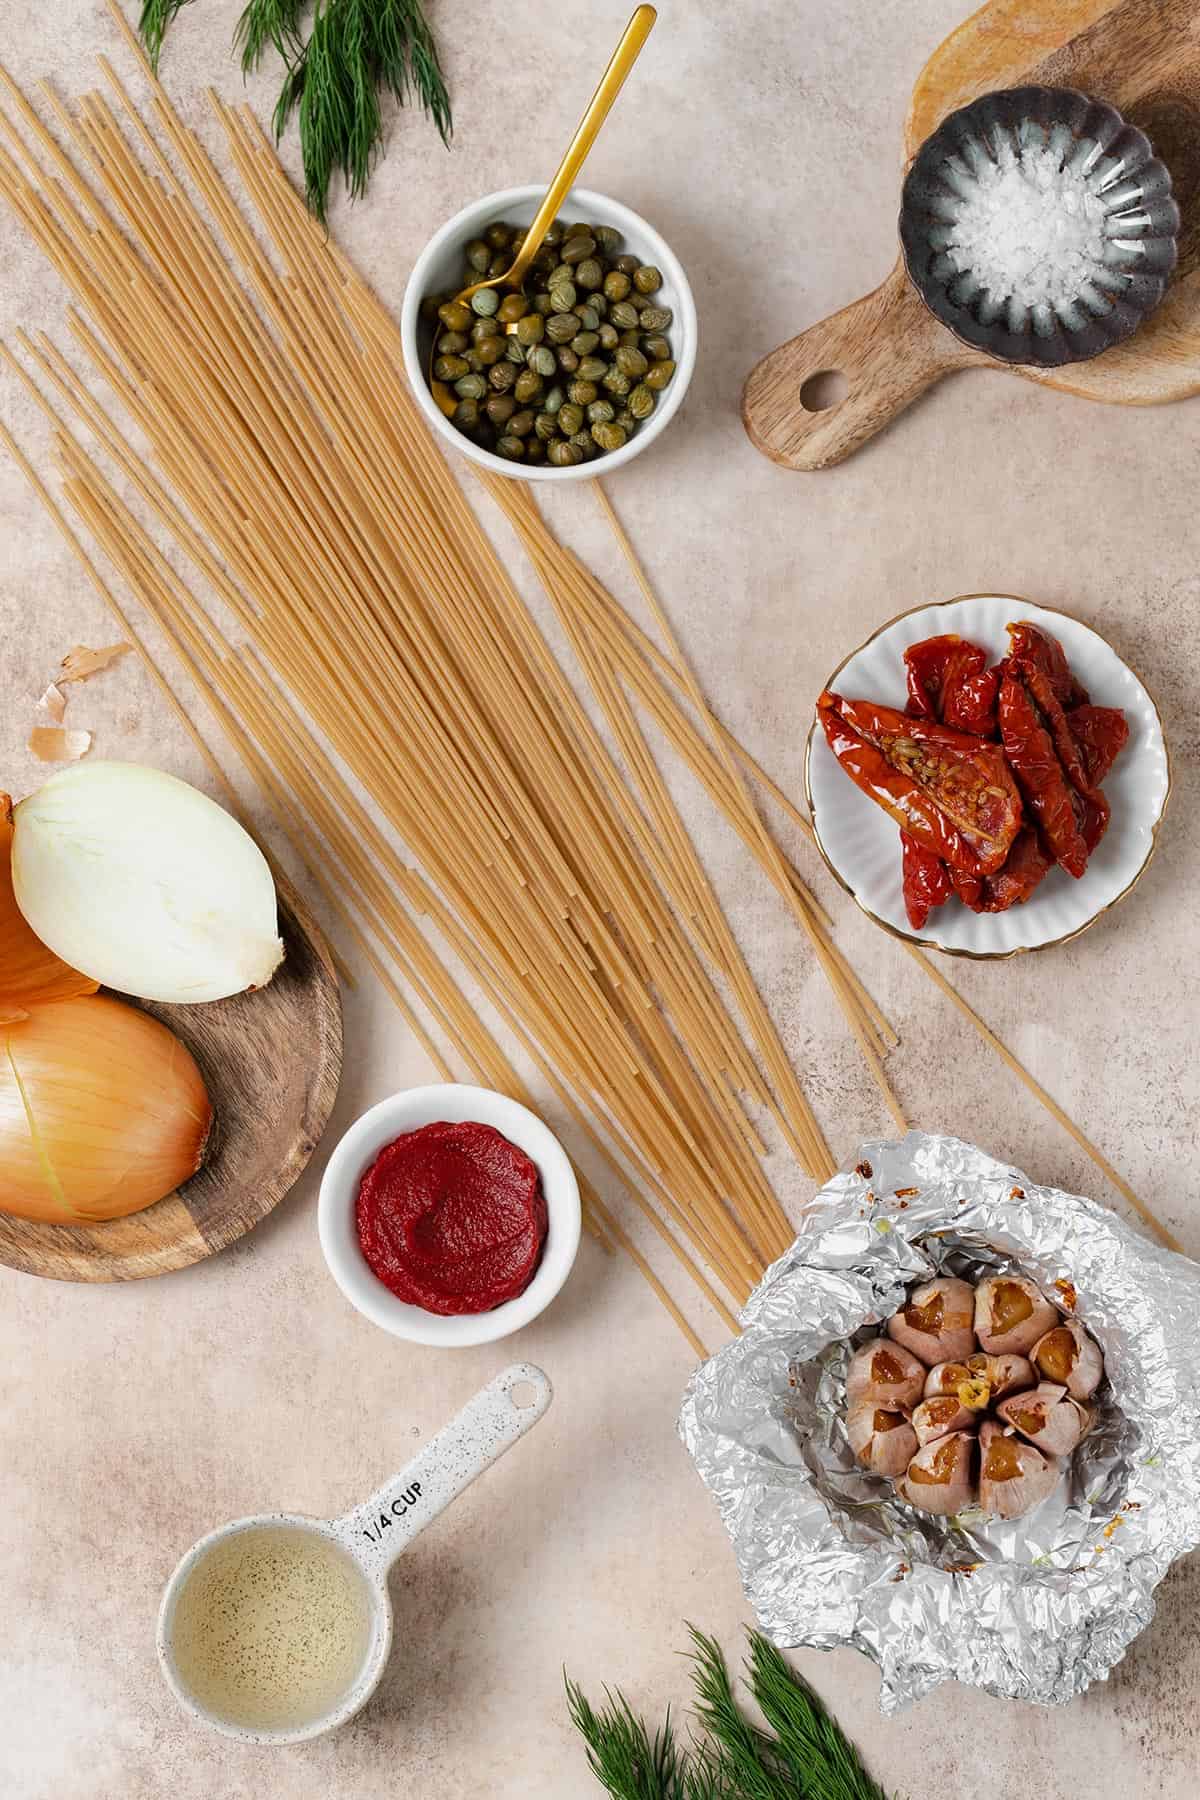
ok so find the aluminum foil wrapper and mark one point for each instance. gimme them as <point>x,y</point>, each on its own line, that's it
<point>1034,1608</point>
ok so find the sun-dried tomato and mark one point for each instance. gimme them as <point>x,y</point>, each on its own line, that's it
<point>1029,644</point>
<point>1030,749</point>
<point>1101,732</point>
<point>952,792</point>
<point>1029,862</point>
<point>926,880</point>
<point>949,680</point>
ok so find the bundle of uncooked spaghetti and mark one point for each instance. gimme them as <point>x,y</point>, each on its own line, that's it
<point>288,461</point>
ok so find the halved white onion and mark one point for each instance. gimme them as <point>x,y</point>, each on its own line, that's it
<point>145,884</point>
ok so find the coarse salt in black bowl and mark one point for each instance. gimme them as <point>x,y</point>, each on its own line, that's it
<point>1038,225</point>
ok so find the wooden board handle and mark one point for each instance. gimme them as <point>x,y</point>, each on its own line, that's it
<point>887,348</point>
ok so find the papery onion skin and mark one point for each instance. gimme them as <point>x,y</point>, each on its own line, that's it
<point>102,1112</point>
<point>145,884</point>
<point>29,972</point>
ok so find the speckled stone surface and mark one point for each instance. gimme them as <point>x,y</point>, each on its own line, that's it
<point>133,1419</point>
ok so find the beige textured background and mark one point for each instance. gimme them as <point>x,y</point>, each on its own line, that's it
<point>762,138</point>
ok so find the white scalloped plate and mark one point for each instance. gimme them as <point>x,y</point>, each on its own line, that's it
<point>861,844</point>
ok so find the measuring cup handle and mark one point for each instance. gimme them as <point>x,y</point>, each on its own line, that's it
<point>886,349</point>
<point>383,1526</point>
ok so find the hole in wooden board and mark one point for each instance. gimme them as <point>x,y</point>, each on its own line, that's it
<point>824,389</point>
<point>523,1395</point>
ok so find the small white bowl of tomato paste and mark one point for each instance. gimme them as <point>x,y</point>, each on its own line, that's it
<point>449,1215</point>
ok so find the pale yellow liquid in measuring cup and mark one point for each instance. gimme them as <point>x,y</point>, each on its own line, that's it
<point>272,1628</point>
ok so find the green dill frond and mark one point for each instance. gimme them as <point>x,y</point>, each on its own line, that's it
<point>366,123</point>
<point>264,22</point>
<point>808,1758</point>
<point>810,1742</point>
<point>621,1754</point>
<point>289,97</point>
<point>327,90</point>
<point>743,1756</point>
<point>407,58</point>
<point>702,1780</point>
<point>152,26</point>
<point>355,49</point>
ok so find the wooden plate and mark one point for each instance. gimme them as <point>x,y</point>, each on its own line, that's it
<point>271,1062</point>
<point>890,348</point>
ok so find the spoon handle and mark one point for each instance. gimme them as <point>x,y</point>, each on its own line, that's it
<point>378,1530</point>
<point>599,107</point>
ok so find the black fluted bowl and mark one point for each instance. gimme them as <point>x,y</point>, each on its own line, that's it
<point>1141,233</point>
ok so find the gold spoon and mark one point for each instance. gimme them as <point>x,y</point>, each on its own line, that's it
<point>599,107</point>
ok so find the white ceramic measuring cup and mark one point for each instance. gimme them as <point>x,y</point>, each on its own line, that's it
<point>373,1536</point>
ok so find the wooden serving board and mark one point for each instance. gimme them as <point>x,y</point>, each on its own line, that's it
<point>1141,55</point>
<point>271,1063</point>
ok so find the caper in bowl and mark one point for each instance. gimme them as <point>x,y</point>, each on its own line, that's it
<point>574,375</point>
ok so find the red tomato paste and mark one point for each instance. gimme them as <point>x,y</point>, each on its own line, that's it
<point>452,1218</point>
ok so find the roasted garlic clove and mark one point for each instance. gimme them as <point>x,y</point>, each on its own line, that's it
<point>882,1440</point>
<point>1049,1417</point>
<point>946,1378</point>
<point>1003,1374</point>
<point>938,1417</point>
<point>936,1323</point>
<point>1011,1314</point>
<point>1014,1477</point>
<point>1067,1355</point>
<point>884,1374</point>
<point>941,1476</point>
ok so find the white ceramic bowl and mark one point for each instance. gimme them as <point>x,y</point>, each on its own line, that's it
<point>440,268</point>
<point>861,844</point>
<point>408,1111</point>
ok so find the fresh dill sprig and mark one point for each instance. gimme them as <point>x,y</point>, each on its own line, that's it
<point>621,1754</point>
<point>355,49</point>
<point>152,26</point>
<point>808,1739</point>
<point>266,22</point>
<point>325,84</point>
<point>744,1756</point>
<point>366,125</point>
<point>808,1757</point>
<point>407,58</point>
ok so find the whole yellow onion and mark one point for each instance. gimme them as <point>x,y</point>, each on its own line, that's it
<point>102,1111</point>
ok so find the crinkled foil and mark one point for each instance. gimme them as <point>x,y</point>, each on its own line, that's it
<point>1033,1609</point>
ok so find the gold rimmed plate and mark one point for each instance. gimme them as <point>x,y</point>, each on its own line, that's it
<point>861,845</point>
